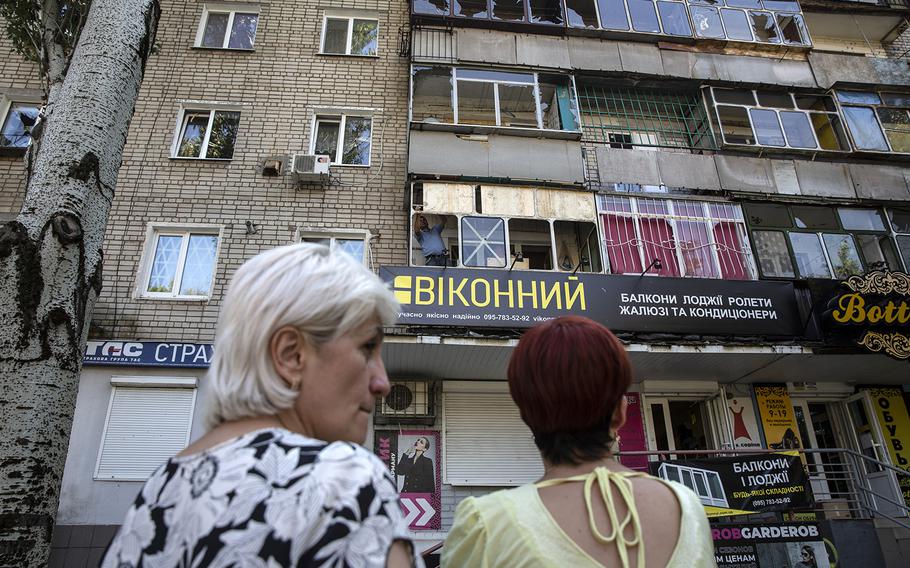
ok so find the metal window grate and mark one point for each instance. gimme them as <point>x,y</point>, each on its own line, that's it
<point>639,117</point>
<point>432,44</point>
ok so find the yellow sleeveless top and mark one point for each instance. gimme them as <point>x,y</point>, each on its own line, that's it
<point>513,528</point>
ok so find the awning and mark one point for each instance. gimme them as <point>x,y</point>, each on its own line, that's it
<point>461,358</point>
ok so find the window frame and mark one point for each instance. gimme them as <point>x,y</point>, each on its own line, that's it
<point>350,33</point>
<point>144,382</point>
<point>201,107</point>
<point>340,117</point>
<point>231,10</point>
<point>747,257</point>
<point>535,82</point>
<point>714,113</point>
<point>775,15</point>
<point>508,243</point>
<point>334,235</point>
<point>150,248</point>
<point>878,121</point>
<point>895,234</point>
<point>819,233</point>
<point>6,104</point>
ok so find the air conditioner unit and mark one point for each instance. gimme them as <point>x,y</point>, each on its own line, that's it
<point>310,165</point>
<point>408,402</point>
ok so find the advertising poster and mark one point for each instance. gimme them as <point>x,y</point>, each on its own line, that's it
<point>777,417</point>
<point>742,418</point>
<point>413,457</point>
<point>891,412</point>
<point>632,434</point>
<point>787,545</point>
<point>742,485</point>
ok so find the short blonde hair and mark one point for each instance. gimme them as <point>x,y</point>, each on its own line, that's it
<point>323,293</point>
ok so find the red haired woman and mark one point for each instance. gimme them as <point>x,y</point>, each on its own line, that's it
<point>568,377</point>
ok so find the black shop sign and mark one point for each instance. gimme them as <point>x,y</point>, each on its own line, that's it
<point>501,298</point>
<point>742,485</point>
<point>769,545</point>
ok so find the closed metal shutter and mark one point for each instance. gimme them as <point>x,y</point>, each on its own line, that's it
<point>486,443</point>
<point>145,426</point>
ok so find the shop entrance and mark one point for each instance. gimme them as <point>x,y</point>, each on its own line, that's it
<point>675,424</point>
<point>846,423</point>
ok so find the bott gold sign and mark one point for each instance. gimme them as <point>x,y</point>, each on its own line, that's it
<point>878,305</point>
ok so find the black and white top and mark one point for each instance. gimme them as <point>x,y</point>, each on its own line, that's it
<point>270,498</point>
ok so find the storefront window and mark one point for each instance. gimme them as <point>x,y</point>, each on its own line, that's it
<point>819,242</point>
<point>685,238</point>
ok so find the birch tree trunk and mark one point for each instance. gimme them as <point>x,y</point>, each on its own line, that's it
<point>50,265</point>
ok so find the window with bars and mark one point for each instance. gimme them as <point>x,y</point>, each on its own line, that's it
<point>808,241</point>
<point>687,238</point>
<point>636,117</point>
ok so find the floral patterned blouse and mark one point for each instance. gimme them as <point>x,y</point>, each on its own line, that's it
<point>270,498</point>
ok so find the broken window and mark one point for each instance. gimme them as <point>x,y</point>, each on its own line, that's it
<point>896,122</point>
<point>432,95</point>
<point>734,125</point>
<point>432,7</point>
<point>472,9</point>
<point>17,126</point>
<point>477,103</point>
<point>577,246</point>
<point>509,10</point>
<point>763,27</point>
<point>530,244</point>
<point>624,116</point>
<point>558,105</point>
<point>581,14</point>
<point>792,29</point>
<point>706,21</point>
<point>546,11</point>
<point>613,14</point>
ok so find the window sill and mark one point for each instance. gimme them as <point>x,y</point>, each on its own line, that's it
<point>188,159</point>
<point>504,130</point>
<point>351,55</point>
<point>234,49</point>
<point>334,165</point>
<point>186,299</point>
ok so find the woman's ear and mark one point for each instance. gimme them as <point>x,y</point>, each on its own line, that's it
<point>619,415</point>
<point>287,348</point>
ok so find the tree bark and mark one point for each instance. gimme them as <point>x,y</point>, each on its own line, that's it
<point>50,266</point>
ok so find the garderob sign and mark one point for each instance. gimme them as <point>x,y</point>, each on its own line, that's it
<point>799,545</point>
<point>743,485</point>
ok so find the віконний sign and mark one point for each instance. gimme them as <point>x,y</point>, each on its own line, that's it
<point>502,298</point>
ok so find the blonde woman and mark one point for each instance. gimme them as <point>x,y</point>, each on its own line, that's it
<point>280,479</point>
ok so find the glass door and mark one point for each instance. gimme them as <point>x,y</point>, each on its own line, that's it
<point>866,438</point>
<point>816,429</point>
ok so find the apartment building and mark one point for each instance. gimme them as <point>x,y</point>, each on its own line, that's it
<point>696,174</point>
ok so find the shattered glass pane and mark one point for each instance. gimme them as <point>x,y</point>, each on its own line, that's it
<point>581,14</point>
<point>764,28</point>
<point>476,103</point>
<point>472,8</point>
<point>706,21</point>
<point>792,28</point>
<point>509,10</point>
<point>432,95</point>
<point>432,7</point>
<point>546,11</point>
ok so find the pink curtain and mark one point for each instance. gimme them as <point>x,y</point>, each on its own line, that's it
<point>729,247</point>
<point>621,245</point>
<point>660,244</point>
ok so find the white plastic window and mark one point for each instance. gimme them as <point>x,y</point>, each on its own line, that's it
<point>346,139</point>
<point>227,27</point>
<point>180,263</point>
<point>350,36</point>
